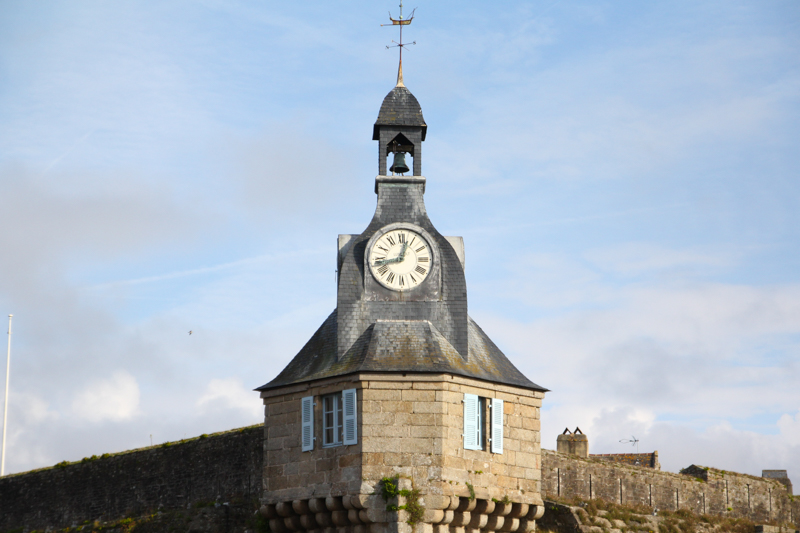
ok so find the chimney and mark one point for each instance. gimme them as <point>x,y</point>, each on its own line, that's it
<point>573,443</point>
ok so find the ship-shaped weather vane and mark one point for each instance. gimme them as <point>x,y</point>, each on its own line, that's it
<point>400,44</point>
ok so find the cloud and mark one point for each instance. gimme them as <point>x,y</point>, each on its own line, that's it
<point>60,218</point>
<point>677,359</point>
<point>637,258</point>
<point>31,408</point>
<point>230,393</point>
<point>113,399</point>
<point>672,347</point>
<point>789,427</point>
<point>636,108</point>
<point>287,173</point>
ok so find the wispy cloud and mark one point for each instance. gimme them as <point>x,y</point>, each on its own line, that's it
<point>261,259</point>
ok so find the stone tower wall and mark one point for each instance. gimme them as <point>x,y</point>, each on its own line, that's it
<point>410,429</point>
<point>413,427</point>
<point>291,474</point>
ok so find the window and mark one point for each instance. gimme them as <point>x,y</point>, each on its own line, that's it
<point>332,419</point>
<point>475,423</point>
<point>481,423</point>
<point>339,417</point>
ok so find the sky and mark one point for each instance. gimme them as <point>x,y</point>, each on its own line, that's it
<point>624,175</point>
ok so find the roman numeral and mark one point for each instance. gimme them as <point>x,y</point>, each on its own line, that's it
<point>420,270</point>
<point>402,237</point>
<point>390,239</point>
<point>384,249</point>
<point>390,278</point>
<point>423,259</point>
<point>382,270</point>
<point>418,250</point>
<point>414,238</point>
<point>402,281</point>
<point>412,278</point>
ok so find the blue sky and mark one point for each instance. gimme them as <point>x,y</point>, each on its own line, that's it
<point>624,175</point>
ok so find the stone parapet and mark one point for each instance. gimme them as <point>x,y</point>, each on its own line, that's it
<point>649,460</point>
<point>699,489</point>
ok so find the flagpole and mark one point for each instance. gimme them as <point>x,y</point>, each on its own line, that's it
<point>5,404</point>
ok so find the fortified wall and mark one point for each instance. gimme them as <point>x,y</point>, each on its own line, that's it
<point>702,490</point>
<point>229,465</point>
<point>199,471</point>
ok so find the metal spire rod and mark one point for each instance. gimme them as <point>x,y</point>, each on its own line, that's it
<point>400,22</point>
<point>5,404</point>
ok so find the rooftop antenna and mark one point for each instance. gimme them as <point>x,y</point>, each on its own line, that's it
<point>633,442</point>
<point>5,404</point>
<point>400,22</point>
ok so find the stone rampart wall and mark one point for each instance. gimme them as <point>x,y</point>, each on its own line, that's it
<point>200,470</point>
<point>720,493</point>
<point>649,460</point>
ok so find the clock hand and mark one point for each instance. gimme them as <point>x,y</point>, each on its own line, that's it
<point>400,257</point>
<point>381,262</point>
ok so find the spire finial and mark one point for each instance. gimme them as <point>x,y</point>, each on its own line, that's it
<point>400,22</point>
<point>400,75</point>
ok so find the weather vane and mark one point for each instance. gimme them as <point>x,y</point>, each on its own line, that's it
<point>400,22</point>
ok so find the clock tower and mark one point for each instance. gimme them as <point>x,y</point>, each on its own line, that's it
<point>399,385</point>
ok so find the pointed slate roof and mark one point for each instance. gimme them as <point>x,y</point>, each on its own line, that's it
<point>400,346</point>
<point>399,108</point>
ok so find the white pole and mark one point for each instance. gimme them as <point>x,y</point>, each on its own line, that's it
<point>5,404</point>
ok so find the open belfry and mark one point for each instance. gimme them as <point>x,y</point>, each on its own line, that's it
<point>400,413</point>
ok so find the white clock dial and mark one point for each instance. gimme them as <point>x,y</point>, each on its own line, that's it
<point>400,259</point>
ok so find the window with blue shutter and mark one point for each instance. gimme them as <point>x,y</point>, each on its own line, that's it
<point>350,417</point>
<point>497,426</point>
<point>471,417</point>
<point>481,421</point>
<point>307,423</point>
<point>332,419</point>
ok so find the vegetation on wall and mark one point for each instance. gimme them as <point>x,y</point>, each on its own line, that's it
<point>415,510</point>
<point>471,491</point>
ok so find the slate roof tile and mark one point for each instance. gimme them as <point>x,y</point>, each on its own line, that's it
<point>400,346</point>
<point>399,108</point>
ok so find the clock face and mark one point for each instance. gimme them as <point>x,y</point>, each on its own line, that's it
<point>400,259</point>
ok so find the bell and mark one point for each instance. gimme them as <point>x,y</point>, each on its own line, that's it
<point>399,166</point>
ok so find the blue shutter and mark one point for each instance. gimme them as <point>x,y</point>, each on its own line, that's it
<point>497,426</point>
<point>471,422</point>
<point>350,414</point>
<point>307,423</point>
